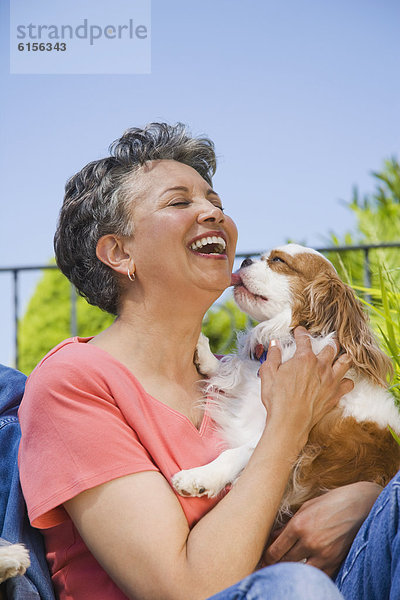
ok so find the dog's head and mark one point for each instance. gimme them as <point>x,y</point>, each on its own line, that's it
<point>293,285</point>
<point>277,284</point>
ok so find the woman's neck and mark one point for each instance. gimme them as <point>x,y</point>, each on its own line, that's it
<point>161,342</point>
<point>158,346</point>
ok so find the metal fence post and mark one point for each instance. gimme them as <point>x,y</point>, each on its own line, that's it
<point>15,290</point>
<point>367,274</point>
<point>73,317</point>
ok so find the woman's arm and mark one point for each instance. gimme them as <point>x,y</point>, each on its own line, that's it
<point>324,528</point>
<point>137,530</point>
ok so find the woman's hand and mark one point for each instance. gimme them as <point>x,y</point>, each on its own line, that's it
<point>302,390</point>
<point>323,529</point>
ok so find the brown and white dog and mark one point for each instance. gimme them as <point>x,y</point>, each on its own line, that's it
<point>290,286</point>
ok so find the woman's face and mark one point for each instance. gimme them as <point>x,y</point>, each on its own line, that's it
<point>174,212</point>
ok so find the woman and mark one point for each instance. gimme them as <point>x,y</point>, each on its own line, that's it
<point>106,421</point>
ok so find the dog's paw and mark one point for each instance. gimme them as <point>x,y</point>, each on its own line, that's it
<point>14,560</point>
<point>205,361</point>
<point>196,483</point>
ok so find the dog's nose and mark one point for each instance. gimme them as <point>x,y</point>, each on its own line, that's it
<point>246,263</point>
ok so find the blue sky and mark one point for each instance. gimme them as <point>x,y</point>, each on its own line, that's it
<point>302,99</point>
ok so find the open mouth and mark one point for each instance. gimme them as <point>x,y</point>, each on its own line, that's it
<point>212,245</point>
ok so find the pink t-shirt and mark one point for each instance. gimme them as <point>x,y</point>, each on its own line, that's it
<point>86,420</point>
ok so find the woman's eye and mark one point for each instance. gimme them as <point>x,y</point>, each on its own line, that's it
<point>180,203</point>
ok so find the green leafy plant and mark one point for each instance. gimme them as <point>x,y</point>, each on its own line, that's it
<point>385,320</point>
<point>47,319</point>
<point>377,221</point>
<point>221,324</point>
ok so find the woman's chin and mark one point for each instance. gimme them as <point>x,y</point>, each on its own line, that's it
<point>213,279</point>
<point>212,287</point>
<point>217,290</point>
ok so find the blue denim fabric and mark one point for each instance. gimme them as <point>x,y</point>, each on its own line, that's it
<point>371,570</point>
<point>284,581</point>
<point>14,523</point>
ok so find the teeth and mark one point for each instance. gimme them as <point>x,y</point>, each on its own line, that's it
<point>209,240</point>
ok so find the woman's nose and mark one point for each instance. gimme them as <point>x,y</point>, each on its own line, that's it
<point>246,263</point>
<point>211,213</point>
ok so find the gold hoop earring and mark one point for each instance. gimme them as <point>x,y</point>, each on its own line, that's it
<point>131,276</point>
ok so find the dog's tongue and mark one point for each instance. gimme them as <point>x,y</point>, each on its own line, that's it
<point>235,278</point>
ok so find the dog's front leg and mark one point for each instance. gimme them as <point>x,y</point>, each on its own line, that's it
<point>209,480</point>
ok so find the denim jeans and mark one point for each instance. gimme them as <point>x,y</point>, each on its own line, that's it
<point>284,581</point>
<point>14,523</point>
<point>371,570</point>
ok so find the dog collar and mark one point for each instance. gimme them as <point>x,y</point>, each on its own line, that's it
<point>263,356</point>
<point>260,353</point>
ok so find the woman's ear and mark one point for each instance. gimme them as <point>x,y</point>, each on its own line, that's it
<point>113,252</point>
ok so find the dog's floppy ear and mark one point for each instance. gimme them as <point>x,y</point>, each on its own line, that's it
<point>331,305</point>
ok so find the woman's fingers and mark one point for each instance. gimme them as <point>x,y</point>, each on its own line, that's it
<point>341,365</point>
<point>268,372</point>
<point>303,339</point>
<point>330,351</point>
<point>310,385</point>
<point>280,546</point>
<point>345,386</point>
<point>274,357</point>
<point>327,356</point>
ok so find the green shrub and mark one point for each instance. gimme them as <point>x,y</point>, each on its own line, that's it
<point>385,321</point>
<point>377,221</point>
<point>47,320</point>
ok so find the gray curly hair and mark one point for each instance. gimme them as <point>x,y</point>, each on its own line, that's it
<point>98,200</point>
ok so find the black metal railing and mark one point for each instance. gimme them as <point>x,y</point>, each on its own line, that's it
<point>15,272</point>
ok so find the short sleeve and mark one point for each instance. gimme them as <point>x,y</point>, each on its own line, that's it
<point>74,435</point>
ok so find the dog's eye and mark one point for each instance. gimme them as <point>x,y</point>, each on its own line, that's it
<point>277,259</point>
